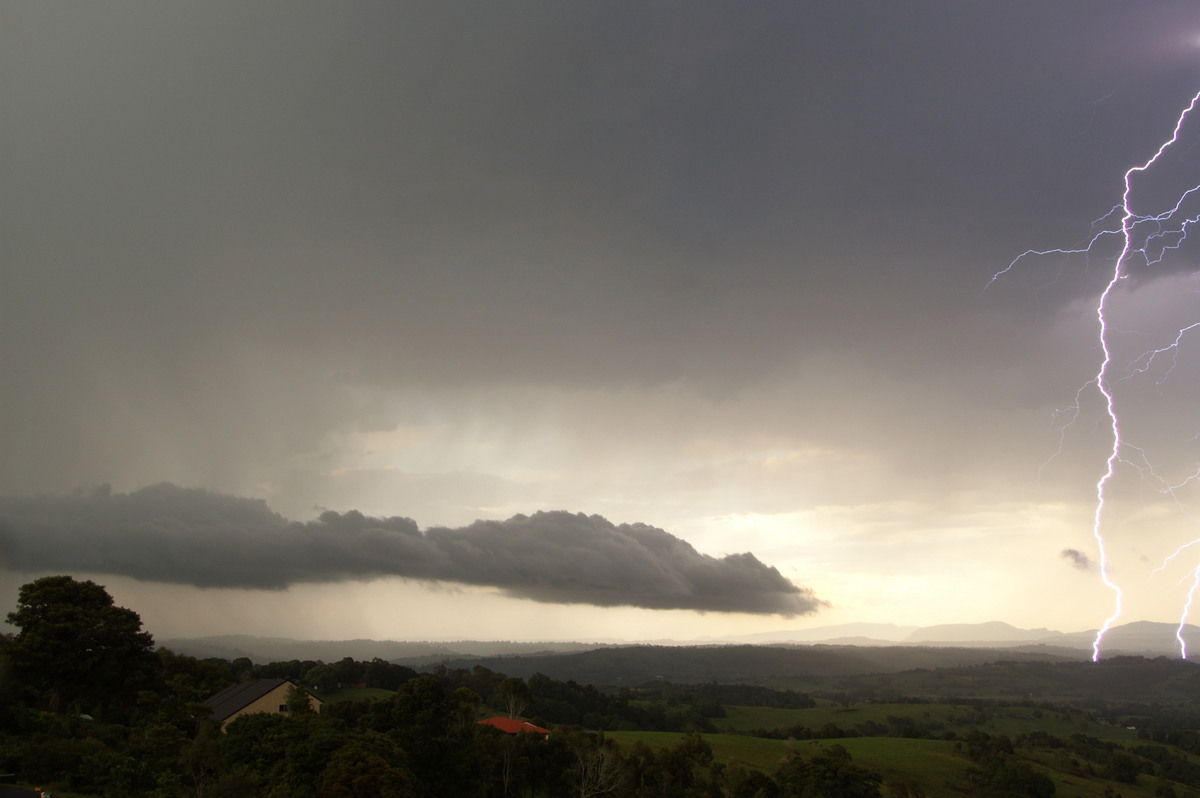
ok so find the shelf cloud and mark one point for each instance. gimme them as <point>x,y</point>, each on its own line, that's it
<point>166,533</point>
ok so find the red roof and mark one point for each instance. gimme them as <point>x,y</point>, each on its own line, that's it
<point>514,725</point>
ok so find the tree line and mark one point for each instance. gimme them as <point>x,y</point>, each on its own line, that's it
<point>91,706</point>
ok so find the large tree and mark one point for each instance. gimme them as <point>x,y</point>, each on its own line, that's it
<point>826,771</point>
<point>76,650</point>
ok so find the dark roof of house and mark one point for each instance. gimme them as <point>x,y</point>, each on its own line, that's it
<point>240,696</point>
<point>513,725</point>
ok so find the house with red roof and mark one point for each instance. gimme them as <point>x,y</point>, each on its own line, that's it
<point>514,726</point>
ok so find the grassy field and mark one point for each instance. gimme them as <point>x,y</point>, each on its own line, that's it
<point>936,765</point>
<point>939,766</point>
<point>930,718</point>
<point>933,763</point>
<point>352,694</point>
<point>754,752</point>
<point>941,770</point>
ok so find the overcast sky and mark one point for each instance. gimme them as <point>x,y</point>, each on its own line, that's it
<point>684,300</point>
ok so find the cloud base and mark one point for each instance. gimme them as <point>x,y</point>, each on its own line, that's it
<point>166,533</point>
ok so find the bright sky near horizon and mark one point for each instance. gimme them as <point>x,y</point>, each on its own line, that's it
<point>646,286</point>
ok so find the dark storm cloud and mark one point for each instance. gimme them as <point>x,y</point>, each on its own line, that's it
<point>468,193</point>
<point>232,229</point>
<point>169,534</point>
<point>1078,559</point>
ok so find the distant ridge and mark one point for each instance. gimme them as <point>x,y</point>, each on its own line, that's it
<point>282,649</point>
<point>1138,637</point>
<point>989,631</point>
<point>752,664</point>
<point>1144,638</point>
<point>868,632</point>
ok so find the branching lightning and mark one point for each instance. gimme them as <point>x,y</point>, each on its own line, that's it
<point>1145,239</point>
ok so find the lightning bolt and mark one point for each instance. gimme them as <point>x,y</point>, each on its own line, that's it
<point>1147,239</point>
<point>1183,616</point>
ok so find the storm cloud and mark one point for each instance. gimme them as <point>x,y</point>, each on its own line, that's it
<point>165,533</point>
<point>1078,559</point>
<point>715,267</point>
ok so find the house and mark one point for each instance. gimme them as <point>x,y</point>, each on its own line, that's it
<point>514,726</point>
<point>260,695</point>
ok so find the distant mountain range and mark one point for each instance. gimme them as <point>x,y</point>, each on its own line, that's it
<point>1144,638</point>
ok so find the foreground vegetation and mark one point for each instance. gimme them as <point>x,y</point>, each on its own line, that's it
<point>89,706</point>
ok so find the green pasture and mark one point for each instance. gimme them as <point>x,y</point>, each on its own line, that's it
<point>930,719</point>
<point>352,694</point>
<point>931,763</point>
<point>891,757</point>
<point>746,718</point>
<point>939,766</point>
<point>999,683</point>
<point>941,770</point>
<point>755,752</point>
<point>936,765</point>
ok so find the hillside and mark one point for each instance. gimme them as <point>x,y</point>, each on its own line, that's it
<point>776,666</point>
<point>1140,638</point>
<point>279,649</point>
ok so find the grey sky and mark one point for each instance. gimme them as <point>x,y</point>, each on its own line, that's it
<point>712,267</point>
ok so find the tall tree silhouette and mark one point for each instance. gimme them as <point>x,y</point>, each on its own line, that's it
<point>75,650</point>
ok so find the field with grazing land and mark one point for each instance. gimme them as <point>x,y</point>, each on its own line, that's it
<point>756,752</point>
<point>930,763</point>
<point>341,694</point>
<point>918,719</point>
<point>939,768</point>
<point>1074,751</point>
